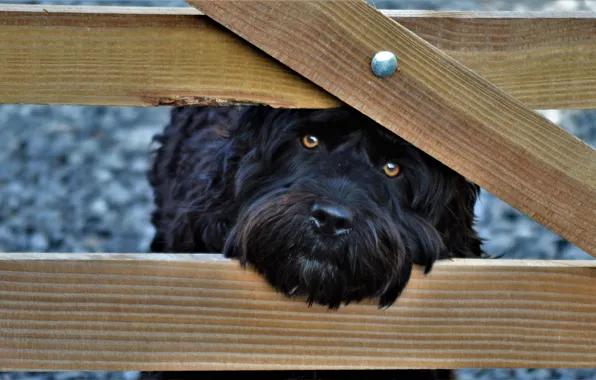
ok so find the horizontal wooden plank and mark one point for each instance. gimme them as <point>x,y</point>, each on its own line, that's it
<point>202,312</point>
<point>432,101</point>
<point>58,57</point>
<point>152,56</point>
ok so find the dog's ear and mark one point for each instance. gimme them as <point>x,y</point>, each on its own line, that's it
<point>442,225</point>
<point>456,222</point>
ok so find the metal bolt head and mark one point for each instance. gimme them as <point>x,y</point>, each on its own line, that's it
<point>383,64</point>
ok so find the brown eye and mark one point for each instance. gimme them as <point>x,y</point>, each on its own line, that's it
<point>391,169</point>
<point>310,141</point>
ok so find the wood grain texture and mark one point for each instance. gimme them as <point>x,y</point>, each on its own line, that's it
<point>183,312</point>
<point>151,56</point>
<point>543,60</point>
<point>138,58</point>
<point>432,101</point>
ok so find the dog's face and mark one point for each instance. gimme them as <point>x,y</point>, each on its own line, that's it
<point>333,207</point>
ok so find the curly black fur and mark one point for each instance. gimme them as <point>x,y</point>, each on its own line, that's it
<point>238,180</point>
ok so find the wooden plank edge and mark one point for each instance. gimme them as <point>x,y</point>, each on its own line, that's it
<point>217,257</point>
<point>393,13</point>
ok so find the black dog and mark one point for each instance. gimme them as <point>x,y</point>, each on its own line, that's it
<point>325,204</point>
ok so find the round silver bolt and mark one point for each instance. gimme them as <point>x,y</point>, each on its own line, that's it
<point>383,64</point>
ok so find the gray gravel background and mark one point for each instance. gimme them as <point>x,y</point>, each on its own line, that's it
<point>72,179</point>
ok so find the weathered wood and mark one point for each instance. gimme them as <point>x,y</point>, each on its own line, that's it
<point>151,56</point>
<point>177,312</point>
<point>432,101</point>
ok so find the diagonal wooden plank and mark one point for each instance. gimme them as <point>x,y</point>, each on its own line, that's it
<point>179,312</point>
<point>433,101</point>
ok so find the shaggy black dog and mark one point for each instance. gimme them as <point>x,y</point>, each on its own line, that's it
<point>325,204</point>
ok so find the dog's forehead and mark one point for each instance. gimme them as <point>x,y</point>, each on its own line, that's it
<point>350,121</point>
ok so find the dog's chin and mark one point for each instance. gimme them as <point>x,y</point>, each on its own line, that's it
<point>319,281</point>
<point>326,275</point>
<point>323,282</point>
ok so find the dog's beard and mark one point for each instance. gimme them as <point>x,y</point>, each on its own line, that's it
<point>274,235</point>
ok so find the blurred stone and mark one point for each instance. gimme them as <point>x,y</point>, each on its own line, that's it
<point>117,194</point>
<point>38,242</point>
<point>98,206</point>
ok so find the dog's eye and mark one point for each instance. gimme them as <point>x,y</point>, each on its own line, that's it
<point>391,169</point>
<point>310,141</point>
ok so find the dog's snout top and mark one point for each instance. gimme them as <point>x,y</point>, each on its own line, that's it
<point>331,219</point>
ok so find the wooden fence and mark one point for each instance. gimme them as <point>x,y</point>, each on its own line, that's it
<point>464,93</point>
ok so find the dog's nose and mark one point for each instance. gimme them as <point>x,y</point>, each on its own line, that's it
<point>331,219</point>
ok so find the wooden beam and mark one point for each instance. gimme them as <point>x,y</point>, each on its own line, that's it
<point>152,56</point>
<point>202,312</point>
<point>138,58</point>
<point>433,101</point>
<point>538,58</point>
